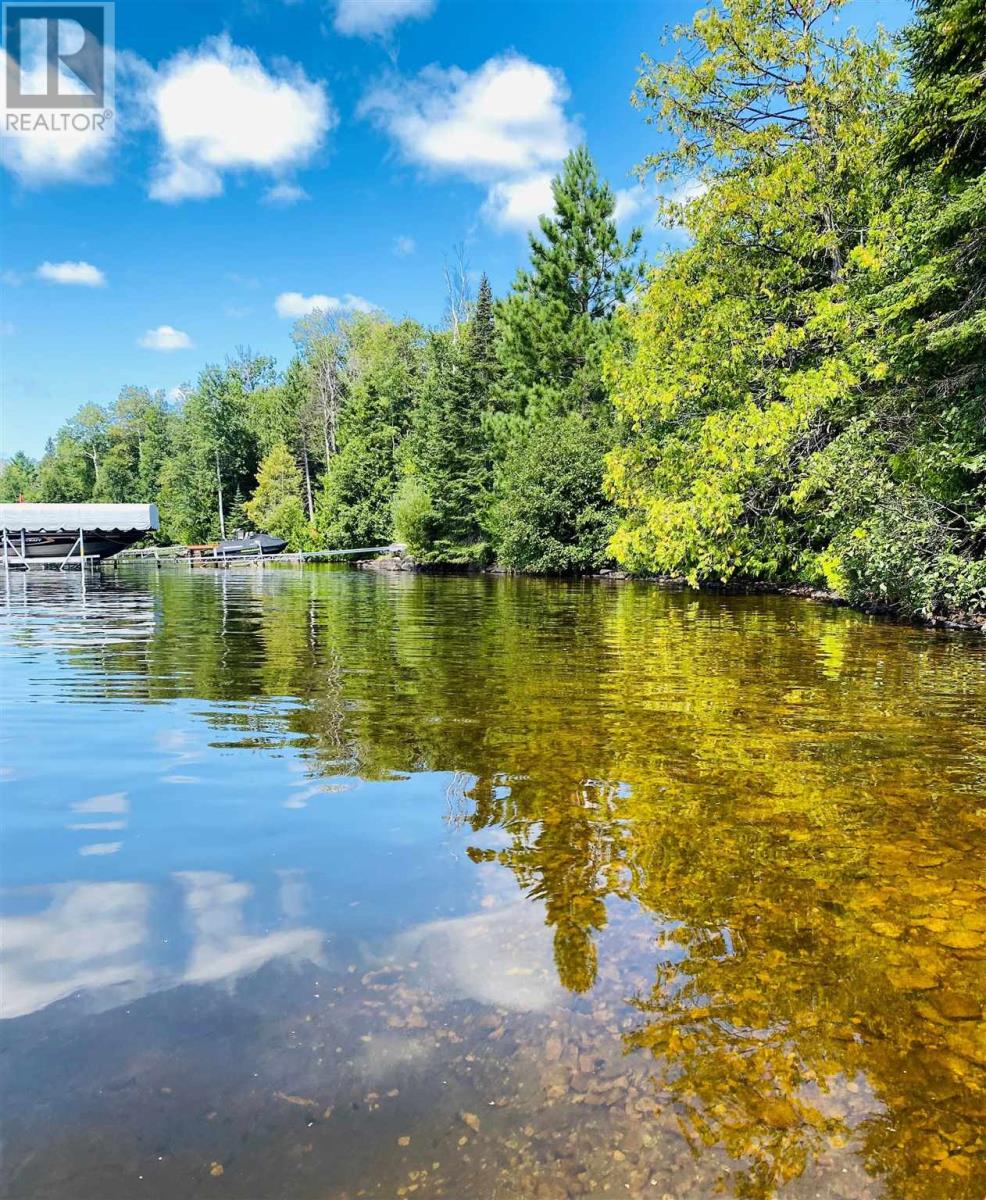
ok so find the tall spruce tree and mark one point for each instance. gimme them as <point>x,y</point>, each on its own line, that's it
<point>449,457</point>
<point>554,328</point>
<point>940,139</point>
<point>943,125</point>
<point>482,364</point>
<point>557,320</point>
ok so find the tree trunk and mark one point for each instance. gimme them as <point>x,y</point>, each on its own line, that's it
<point>834,255</point>
<point>219,493</point>
<point>330,393</point>
<point>308,479</point>
<point>457,287</point>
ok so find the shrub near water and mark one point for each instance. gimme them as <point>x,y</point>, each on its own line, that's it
<point>550,516</point>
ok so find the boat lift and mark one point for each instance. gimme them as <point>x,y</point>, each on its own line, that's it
<point>69,536</point>
<point>15,555</point>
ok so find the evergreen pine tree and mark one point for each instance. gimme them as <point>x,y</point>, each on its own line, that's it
<point>944,123</point>
<point>450,460</point>
<point>940,138</point>
<point>482,343</point>
<point>556,322</point>
<point>554,329</point>
<point>462,473</point>
<point>927,543</point>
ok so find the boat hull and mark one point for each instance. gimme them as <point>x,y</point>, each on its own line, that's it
<point>58,545</point>
<point>250,547</point>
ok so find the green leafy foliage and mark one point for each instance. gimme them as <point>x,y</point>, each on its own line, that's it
<point>379,389</point>
<point>413,515</point>
<point>799,382</point>
<point>18,479</point>
<point>215,457</point>
<point>276,506</point>
<point>550,518</point>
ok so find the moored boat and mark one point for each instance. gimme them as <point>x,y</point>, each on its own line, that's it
<point>250,544</point>
<point>56,532</point>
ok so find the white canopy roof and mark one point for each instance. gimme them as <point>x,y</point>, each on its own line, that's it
<point>91,518</point>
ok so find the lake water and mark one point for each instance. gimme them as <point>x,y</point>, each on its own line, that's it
<point>320,885</point>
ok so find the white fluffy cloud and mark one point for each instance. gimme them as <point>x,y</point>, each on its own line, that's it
<point>78,274</point>
<point>369,18</point>
<point>165,337</point>
<point>44,157</point>
<point>630,202</point>
<point>292,305</point>
<point>218,109</point>
<point>176,180</point>
<point>503,124</point>
<point>517,203</point>
<point>507,116</point>
<point>283,195</point>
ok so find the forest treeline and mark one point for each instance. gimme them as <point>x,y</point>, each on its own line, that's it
<point>795,395</point>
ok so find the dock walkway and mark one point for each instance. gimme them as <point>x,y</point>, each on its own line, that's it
<point>220,561</point>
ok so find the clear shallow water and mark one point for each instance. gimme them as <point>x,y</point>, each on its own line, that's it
<point>321,885</point>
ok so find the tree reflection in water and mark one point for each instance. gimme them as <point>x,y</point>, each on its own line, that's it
<point>793,793</point>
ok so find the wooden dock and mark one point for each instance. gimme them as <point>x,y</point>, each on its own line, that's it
<point>218,561</point>
<point>297,558</point>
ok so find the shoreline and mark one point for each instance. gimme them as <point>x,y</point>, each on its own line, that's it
<point>966,622</point>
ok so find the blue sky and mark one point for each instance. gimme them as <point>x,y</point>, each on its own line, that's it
<point>268,156</point>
